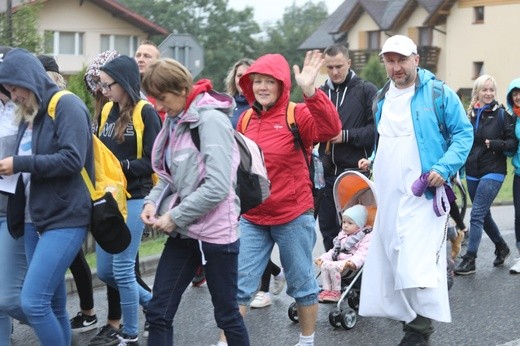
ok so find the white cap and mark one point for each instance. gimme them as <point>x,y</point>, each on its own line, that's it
<point>399,44</point>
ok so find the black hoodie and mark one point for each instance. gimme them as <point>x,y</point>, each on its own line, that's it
<point>353,100</point>
<point>138,172</point>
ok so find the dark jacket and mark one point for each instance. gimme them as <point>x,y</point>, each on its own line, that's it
<point>138,172</point>
<point>241,106</point>
<point>61,147</point>
<point>353,100</point>
<point>500,130</point>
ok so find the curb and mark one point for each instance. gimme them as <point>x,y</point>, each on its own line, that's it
<point>147,266</point>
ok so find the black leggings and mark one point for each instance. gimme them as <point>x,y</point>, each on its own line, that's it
<point>83,280</point>
<point>455,215</point>
<point>270,269</point>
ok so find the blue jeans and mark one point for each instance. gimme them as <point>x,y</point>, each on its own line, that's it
<point>482,194</point>
<point>295,240</point>
<point>13,266</point>
<point>118,271</point>
<point>44,295</point>
<point>516,202</point>
<point>179,260</point>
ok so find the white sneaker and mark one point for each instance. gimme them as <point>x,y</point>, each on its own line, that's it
<point>262,299</point>
<point>515,269</point>
<point>278,283</point>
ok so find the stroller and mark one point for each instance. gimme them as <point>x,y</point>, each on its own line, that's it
<point>350,188</point>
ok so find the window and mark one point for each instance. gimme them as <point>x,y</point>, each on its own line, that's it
<point>124,44</point>
<point>374,42</point>
<point>64,43</point>
<point>478,69</point>
<point>478,15</point>
<point>425,36</point>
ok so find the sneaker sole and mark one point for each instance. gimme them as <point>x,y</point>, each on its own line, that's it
<point>85,329</point>
<point>465,273</point>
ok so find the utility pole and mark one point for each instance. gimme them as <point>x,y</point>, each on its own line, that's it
<point>9,12</point>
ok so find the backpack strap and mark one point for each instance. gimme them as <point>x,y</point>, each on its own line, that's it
<point>245,120</point>
<point>438,107</point>
<point>51,110</point>
<point>53,103</point>
<point>293,127</point>
<point>137,120</point>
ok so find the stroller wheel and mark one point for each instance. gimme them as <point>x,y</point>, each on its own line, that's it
<point>335,318</point>
<point>293,312</point>
<point>348,318</point>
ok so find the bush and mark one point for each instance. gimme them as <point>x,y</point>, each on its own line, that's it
<point>76,84</point>
<point>374,71</point>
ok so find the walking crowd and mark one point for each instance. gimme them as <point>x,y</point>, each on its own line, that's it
<point>174,139</point>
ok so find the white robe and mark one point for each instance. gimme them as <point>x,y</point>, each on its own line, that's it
<point>405,270</point>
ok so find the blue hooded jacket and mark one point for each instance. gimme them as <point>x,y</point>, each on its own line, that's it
<point>61,147</point>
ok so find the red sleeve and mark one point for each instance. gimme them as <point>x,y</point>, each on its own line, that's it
<point>317,119</point>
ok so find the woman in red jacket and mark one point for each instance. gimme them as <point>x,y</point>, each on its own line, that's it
<point>286,217</point>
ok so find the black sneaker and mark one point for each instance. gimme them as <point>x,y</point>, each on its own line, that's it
<point>83,323</point>
<point>413,338</point>
<point>502,252</point>
<point>130,340</point>
<point>466,266</point>
<point>106,336</point>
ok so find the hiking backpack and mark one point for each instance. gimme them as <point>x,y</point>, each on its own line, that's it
<point>253,185</point>
<point>108,174</point>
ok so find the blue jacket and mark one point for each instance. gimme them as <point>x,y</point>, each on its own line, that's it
<point>515,84</point>
<point>436,153</point>
<point>60,149</point>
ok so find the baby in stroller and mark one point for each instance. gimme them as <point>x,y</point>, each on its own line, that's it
<point>349,252</point>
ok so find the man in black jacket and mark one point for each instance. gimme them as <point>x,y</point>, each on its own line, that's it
<point>353,99</point>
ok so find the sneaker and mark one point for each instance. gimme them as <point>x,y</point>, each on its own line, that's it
<point>467,266</point>
<point>278,283</point>
<point>502,252</point>
<point>332,297</point>
<point>220,343</point>
<point>413,338</point>
<point>125,339</point>
<point>262,299</point>
<point>83,323</point>
<point>456,244</point>
<point>200,277</point>
<point>323,294</point>
<point>106,336</point>
<point>515,268</point>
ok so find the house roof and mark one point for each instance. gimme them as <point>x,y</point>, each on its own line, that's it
<point>112,6</point>
<point>387,14</point>
<point>323,36</point>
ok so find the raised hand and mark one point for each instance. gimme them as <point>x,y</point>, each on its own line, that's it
<point>311,67</point>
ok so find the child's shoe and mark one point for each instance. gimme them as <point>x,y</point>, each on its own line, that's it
<point>278,283</point>
<point>323,294</point>
<point>332,297</point>
<point>262,299</point>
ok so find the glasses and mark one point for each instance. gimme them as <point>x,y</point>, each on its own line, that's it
<point>105,86</point>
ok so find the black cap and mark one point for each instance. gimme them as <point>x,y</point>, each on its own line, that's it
<point>49,63</point>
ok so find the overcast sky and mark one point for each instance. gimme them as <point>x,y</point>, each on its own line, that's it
<point>269,11</point>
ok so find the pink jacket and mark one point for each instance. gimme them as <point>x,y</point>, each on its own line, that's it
<point>357,255</point>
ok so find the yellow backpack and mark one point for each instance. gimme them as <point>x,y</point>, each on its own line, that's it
<point>137,120</point>
<point>109,176</point>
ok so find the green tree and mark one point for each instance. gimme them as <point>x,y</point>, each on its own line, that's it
<point>25,28</point>
<point>374,71</point>
<point>76,84</point>
<point>288,33</point>
<point>226,34</point>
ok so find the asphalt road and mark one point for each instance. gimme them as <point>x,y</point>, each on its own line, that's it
<point>485,310</point>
